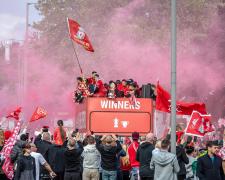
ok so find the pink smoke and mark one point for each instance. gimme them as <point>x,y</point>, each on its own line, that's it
<point>122,52</point>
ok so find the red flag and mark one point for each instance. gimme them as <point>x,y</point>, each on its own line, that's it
<point>38,114</point>
<point>132,99</point>
<point>6,151</point>
<point>163,103</point>
<point>78,34</point>
<point>199,124</point>
<point>15,114</point>
<point>162,99</point>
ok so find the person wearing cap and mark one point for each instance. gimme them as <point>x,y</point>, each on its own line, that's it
<point>132,151</point>
<point>144,156</point>
<point>209,166</point>
<point>109,151</point>
<point>25,169</point>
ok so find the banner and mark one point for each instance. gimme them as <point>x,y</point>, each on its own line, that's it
<point>199,125</point>
<point>6,151</point>
<point>78,34</point>
<point>38,114</point>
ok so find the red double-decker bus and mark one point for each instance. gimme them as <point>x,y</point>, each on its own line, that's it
<point>103,115</point>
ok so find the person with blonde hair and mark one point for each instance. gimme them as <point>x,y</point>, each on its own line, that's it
<point>157,147</point>
<point>2,139</point>
<point>109,152</point>
<point>125,166</point>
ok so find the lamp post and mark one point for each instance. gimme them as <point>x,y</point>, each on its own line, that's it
<point>173,76</point>
<point>27,19</point>
<point>25,59</point>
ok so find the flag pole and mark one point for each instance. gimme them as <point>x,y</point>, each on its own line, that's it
<point>74,49</point>
<point>173,76</point>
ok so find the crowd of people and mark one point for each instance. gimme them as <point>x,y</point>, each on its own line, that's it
<point>95,87</point>
<point>70,156</point>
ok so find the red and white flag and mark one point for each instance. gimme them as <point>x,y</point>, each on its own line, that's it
<point>78,34</point>
<point>38,114</point>
<point>6,151</point>
<point>163,103</point>
<point>199,124</point>
<point>15,114</point>
<point>132,99</point>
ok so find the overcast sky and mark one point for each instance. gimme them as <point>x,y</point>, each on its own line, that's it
<point>12,18</point>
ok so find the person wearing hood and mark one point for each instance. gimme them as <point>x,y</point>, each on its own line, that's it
<point>18,147</point>
<point>109,152</point>
<point>144,156</point>
<point>91,160</point>
<point>164,163</point>
<point>72,156</point>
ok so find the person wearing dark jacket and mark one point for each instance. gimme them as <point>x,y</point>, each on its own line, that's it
<point>209,166</point>
<point>72,156</point>
<point>25,169</point>
<point>182,160</point>
<point>17,148</point>
<point>144,156</point>
<point>109,152</point>
<point>43,146</point>
<point>57,160</point>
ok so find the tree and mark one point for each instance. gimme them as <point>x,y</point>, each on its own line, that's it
<point>149,21</point>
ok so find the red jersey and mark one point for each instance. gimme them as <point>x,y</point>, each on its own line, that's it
<point>91,80</point>
<point>101,89</point>
<point>132,150</point>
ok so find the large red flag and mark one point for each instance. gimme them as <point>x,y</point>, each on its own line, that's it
<point>199,124</point>
<point>38,114</point>
<point>15,114</point>
<point>6,151</point>
<point>163,103</point>
<point>78,34</point>
<point>162,99</point>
